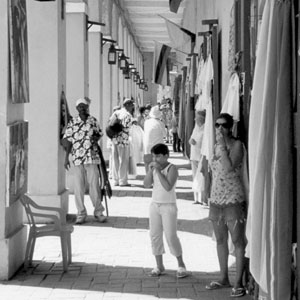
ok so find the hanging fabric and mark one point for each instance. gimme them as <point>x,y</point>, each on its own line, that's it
<point>232,101</point>
<point>182,105</point>
<point>269,225</point>
<point>200,75</point>
<point>232,40</point>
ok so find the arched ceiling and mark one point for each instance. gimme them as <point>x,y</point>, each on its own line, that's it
<point>147,22</point>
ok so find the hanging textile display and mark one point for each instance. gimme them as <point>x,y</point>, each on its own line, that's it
<point>160,64</point>
<point>269,225</point>
<point>182,107</point>
<point>205,103</point>
<point>232,101</point>
<point>176,93</point>
<point>199,76</point>
<point>190,110</point>
<point>232,40</point>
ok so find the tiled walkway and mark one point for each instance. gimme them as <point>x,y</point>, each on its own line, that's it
<point>111,260</point>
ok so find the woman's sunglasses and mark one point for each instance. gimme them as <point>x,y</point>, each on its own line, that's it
<point>224,125</point>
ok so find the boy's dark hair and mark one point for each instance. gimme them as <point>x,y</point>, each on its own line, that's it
<point>142,109</point>
<point>160,149</point>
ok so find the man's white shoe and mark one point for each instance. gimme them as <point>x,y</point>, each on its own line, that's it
<point>80,220</point>
<point>101,218</point>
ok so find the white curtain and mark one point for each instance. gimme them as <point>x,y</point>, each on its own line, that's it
<point>269,226</point>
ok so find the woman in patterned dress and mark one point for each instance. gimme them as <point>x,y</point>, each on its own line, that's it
<point>228,203</point>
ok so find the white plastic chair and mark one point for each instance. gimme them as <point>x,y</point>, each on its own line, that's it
<point>57,227</point>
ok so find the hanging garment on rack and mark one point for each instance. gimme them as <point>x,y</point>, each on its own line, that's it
<point>182,105</point>
<point>269,225</point>
<point>232,40</point>
<point>207,76</point>
<point>200,77</point>
<point>232,100</point>
<point>205,103</point>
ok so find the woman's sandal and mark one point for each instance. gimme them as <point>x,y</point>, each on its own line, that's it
<point>238,292</point>
<point>215,285</point>
<point>182,272</point>
<point>156,272</point>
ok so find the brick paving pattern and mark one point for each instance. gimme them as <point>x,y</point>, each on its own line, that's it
<point>112,260</point>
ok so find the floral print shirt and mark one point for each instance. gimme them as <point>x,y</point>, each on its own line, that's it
<point>126,119</point>
<point>79,133</point>
<point>227,187</point>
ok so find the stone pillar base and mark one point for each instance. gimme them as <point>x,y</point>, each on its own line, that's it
<point>12,253</point>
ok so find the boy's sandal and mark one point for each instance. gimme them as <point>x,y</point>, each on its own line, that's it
<point>238,292</point>
<point>156,272</point>
<point>215,285</point>
<point>182,272</point>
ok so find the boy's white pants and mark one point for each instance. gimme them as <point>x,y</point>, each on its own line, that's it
<point>163,218</point>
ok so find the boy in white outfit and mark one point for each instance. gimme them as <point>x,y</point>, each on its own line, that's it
<point>163,209</point>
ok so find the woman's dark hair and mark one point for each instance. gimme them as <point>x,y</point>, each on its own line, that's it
<point>160,149</point>
<point>228,118</point>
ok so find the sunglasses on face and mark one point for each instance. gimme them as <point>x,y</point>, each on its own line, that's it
<point>224,125</point>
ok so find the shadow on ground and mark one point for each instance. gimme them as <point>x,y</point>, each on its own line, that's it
<point>117,279</point>
<point>202,227</point>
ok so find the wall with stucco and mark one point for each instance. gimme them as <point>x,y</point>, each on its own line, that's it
<point>12,231</point>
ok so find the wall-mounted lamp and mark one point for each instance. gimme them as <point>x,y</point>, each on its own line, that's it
<point>135,76</point>
<point>138,79</point>
<point>123,61</point>
<point>112,54</point>
<point>142,84</point>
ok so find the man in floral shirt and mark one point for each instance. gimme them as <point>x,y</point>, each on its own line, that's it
<point>120,145</point>
<point>83,133</point>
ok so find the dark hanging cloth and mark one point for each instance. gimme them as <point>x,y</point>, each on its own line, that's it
<point>182,107</point>
<point>176,93</point>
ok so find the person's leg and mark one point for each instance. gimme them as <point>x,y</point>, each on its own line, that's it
<point>194,165</point>
<point>236,228</point>
<point>124,164</point>
<point>169,223</point>
<point>156,235</point>
<point>221,234</point>
<point>93,178</point>
<point>174,142</point>
<point>79,190</point>
<point>178,143</point>
<point>115,164</point>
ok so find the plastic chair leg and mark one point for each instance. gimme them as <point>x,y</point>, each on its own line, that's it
<point>69,248</point>
<point>64,251</point>
<point>27,253</point>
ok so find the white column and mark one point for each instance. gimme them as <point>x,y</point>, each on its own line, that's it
<point>107,85</point>
<point>77,60</point>
<point>47,54</point>
<point>77,52</point>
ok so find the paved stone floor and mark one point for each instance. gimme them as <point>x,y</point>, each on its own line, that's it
<point>111,260</point>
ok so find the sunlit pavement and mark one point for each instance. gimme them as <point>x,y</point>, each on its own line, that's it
<point>112,260</point>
